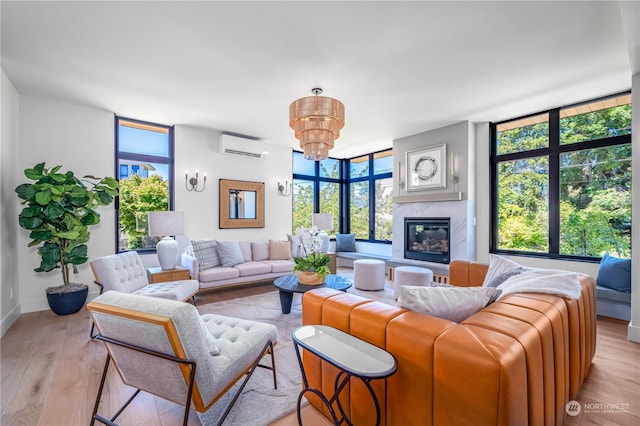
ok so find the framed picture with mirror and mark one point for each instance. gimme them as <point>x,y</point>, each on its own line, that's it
<point>241,204</point>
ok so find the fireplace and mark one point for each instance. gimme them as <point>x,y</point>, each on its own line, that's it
<point>427,238</point>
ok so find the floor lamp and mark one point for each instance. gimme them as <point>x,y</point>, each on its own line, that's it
<point>166,224</point>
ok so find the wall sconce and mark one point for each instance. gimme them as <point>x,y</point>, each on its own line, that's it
<point>285,190</point>
<point>192,183</point>
<point>454,176</point>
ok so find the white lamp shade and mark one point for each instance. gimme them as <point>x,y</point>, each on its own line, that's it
<point>166,223</point>
<point>324,221</point>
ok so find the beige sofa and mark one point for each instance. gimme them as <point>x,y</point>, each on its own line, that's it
<point>257,266</point>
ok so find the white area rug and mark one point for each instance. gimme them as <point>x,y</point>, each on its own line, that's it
<point>260,404</point>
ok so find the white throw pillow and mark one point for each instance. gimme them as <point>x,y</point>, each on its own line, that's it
<point>451,303</point>
<point>501,268</point>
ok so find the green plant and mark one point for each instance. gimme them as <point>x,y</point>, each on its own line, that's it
<point>59,210</point>
<point>314,262</point>
<point>310,244</point>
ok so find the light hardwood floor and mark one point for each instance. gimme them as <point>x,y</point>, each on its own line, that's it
<point>50,373</point>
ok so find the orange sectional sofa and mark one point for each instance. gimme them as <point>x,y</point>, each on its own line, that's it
<point>516,362</point>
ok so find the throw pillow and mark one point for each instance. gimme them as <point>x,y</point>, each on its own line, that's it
<point>499,265</point>
<point>615,273</point>
<point>451,303</point>
<point>279,250</point>
<point>504,276</point>
<point>230,253</point>
<point>206,252</point>
<point>345,242</point>
<point>296,246</point>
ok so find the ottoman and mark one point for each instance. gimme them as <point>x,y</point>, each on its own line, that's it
<point>410,275</point>
<point>368,274</point>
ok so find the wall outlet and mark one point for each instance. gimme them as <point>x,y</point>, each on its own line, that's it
<point>10,292</point>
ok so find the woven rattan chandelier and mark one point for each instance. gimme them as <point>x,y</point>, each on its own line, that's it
<point>317,121</point>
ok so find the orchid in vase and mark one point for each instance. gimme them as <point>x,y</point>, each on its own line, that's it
<point>313,267</point>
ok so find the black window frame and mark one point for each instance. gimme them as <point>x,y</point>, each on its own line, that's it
<point>554,150</point>
<point>170,161</point>
<point>371,179</point>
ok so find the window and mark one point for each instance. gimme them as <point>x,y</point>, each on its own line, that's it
<point>562,181</point>
<point>145,170</point>
<point>365,192</point>
<point>316,189</point>
<point>370,196</point>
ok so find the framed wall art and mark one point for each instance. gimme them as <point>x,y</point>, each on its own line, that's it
<point>427,168</point>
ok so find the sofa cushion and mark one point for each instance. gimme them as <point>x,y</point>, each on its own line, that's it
<point>259,251</point>
<point>206,251</point>
<point>245,249</point>
<point>615,273</point>
<point>345,242</point>
<point>230,253</point>
<point>253,268</point>
<point>279,250</point>
<point>217,274</point>
<point>451,303</point>
<point>279,266</point>
<point>500,268</point>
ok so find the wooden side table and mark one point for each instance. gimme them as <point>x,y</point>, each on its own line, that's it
<point>332,264</point>
<point>157,275</point>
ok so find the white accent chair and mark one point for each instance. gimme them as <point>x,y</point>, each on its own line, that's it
<point>125,272</point>
<point>164,347</point>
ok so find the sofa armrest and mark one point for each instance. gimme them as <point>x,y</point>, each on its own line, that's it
<point>191,263</point>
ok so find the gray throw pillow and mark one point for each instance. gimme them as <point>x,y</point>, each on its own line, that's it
<point>499,279</point>
<point>230,253</point>
<point>206,252</point>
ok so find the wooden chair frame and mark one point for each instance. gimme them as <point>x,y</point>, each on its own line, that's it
<point>187,366</point>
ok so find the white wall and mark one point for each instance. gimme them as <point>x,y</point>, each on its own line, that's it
<point>9,289</point>
<point>81,140</point>
<point>197,148</point>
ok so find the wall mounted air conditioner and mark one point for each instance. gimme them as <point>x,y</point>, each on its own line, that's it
<point>234,145</point>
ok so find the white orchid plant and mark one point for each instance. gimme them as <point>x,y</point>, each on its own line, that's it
<point>310,243</point>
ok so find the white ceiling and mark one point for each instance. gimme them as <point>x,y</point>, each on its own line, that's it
<point>400,68</point>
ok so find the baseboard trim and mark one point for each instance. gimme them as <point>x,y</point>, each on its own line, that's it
<point>9,319</point>
<point>633,333</point>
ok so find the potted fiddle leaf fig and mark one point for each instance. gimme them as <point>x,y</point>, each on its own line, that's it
<point>59,208</point>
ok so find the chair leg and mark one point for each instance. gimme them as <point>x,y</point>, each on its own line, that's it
<point>104,420</point>
<point>267,347</point>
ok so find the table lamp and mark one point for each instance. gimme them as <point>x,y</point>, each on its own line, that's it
<point>324,222</point>
<point>166,224</point>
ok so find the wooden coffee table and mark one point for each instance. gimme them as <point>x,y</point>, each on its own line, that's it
<point>289,284</point>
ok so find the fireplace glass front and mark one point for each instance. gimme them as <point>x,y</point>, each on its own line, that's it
<point>427,239</point>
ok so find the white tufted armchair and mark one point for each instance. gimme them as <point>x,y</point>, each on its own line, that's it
<point>170,339</point>
<point>125,272</point>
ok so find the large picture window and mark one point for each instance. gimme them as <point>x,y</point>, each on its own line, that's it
<point>361,187</point>
<point>145,170</point>
<point>562,181</point>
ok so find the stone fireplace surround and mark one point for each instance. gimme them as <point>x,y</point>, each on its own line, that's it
<point>461,232</point>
